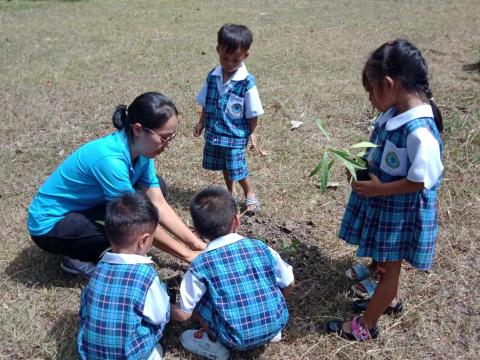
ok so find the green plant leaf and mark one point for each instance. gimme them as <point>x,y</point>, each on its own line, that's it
<point>364,144</point>
<point>339,152</point>
<point>325,172</point>
<point>330,164</point>
<point>349,165</point>
<point>322,128</point>
<point>348,162</point>
<point>317,168</point>
<point>348,158</point>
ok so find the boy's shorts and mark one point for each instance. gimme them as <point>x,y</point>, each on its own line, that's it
<point>233,160</point>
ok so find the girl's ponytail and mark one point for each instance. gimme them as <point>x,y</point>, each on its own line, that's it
<point>437,115</point>
<point>120,117</point>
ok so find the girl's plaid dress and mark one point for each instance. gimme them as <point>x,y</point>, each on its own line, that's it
<point>394,227</point>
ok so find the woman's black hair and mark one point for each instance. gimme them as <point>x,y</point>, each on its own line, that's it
<point>401,60</point>
<point>151,110</point>
<point>233,37</point>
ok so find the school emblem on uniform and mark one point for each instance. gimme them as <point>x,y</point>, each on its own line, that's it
<point>236,108</point>
<point>392,160</point>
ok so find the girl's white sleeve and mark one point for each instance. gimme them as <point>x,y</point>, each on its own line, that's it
<point>424,154</point>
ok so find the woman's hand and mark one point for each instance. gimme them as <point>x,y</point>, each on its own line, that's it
<point>369,188</point>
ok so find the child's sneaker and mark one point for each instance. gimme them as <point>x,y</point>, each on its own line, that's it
<point>277,338</point>
<point>77,267</point>
<point>198,342</point>
<point>157,353</point>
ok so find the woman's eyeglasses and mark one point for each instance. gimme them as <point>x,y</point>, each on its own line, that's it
<point>164,140</point>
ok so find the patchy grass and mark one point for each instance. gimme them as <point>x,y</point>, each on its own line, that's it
<point>65,65</point>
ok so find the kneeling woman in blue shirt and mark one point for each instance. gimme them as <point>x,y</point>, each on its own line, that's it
<point>66,216</point>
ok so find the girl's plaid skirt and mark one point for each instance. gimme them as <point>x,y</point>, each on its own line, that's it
<point>392,228</point>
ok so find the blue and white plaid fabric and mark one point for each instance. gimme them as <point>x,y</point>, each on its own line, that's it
<point>111,322</point>
<point>234,160</point>
<point>395,227</point>
<point>243,304</point>
<point>225,122</point>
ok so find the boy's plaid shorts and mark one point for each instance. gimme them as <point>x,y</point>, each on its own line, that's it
<point>234,160</point>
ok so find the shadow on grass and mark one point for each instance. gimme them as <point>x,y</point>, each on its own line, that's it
<point>180,197</point>
<point>34,267</point>
<point>64,334</point>
<point>321,286</point>
<point>472,67</point>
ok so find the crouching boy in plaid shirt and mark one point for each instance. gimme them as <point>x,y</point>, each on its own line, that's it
<point>235,288</point>
<point>124,308</point>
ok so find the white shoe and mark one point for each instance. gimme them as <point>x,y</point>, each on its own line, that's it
<point>157,353</point>
<point>77,267</point>
<point>277,338</point>
<point>198,342</point>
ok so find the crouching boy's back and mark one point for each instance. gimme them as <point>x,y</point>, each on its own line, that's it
<point>124,308</point>
<point>235,287</point>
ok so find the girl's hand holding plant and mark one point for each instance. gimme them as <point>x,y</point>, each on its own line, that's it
<point>355,164</point>
<point>369,188</point>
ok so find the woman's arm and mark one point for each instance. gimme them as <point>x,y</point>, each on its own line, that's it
<point>170,221</point>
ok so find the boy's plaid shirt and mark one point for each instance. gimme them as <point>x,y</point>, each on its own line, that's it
<point>225,122</point>
<point>242,288</point>
<point>111,320</point>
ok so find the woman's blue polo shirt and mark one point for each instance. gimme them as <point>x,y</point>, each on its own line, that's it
<point>95,173</point>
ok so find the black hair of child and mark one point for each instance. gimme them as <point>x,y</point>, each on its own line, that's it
<point>129,215</point>
<point>401,60</point>
<point>151,110</point>
<point>213,210</point>
<point>232,37</point>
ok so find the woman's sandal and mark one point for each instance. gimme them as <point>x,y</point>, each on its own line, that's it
<point>369,285</point>
<point>252,200</point>
<point>359,331</point>
<point>358,272</point>
<point>360,306</point>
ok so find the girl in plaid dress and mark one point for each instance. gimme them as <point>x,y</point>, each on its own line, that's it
<point>392,217</point>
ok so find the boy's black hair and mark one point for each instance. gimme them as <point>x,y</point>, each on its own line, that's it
<point>151,110</point>
<point>213,210</point>
<point>401,60</point>
<point>232,37</point>
<point>129,215</point>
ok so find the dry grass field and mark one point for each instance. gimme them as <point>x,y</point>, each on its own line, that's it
<point>66,65</point>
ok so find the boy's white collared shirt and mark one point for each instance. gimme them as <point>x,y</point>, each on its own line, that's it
<point>125,259</point>
<point>252,104</point>
<point>156,309</point>
<point>423,149</point>
<point>192,289</point>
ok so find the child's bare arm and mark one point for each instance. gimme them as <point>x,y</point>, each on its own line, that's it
<point>177,314</point>
<point>253,134</point>
<point>287,291</point>
<point>197,131</point>
<point>375,187</point>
